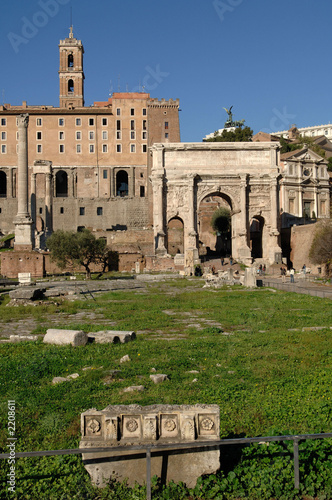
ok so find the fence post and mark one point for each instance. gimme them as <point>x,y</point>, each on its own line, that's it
<point>296,464</point>
<point>148,474</point>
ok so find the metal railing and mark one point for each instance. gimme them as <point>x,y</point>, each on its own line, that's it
<point>159,448</point>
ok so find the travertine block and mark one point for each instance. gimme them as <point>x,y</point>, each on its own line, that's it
<point>64,337</point>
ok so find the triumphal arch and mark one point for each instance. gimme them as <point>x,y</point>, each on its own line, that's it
<point>188,178</point>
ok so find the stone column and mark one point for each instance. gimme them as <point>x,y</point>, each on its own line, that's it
<point>273,245</point>
<point>23,221</point>
<point>244,253</point>
<point>191,232</point>
<point>10,183</point>
<point>158,213</point>
<point>33,196</point>
<point>48,205</point>
<point>132,181</point>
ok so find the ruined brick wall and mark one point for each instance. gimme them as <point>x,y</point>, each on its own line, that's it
<point>301,240</point>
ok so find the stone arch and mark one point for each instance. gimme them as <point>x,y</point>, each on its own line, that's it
<point>61,184</point>
<point>122,183</point>
<point>3,184</point>
<point>175,236</point>
<point>256,236</point>
<point>211,242</point>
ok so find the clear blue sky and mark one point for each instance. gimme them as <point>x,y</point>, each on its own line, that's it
<point>269,59</point>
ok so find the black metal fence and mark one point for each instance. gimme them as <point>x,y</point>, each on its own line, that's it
<point>150,449</point>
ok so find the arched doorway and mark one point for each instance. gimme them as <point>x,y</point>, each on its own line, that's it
<point>214,235</point>
<point>175,236</point>
<point>61,184</point>
<point>256,237</point>
<point>122,183</point>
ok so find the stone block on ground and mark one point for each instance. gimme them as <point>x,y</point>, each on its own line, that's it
<point>125,359</point>
<point>27,293</point>
<point>23,338</point>
<point>65,337</point>
<point>111,337</point>
<point>156,424</point>
<point>159,377</point>
<point>134,388</point>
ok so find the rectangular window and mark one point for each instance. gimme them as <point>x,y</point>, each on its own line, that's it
<point>39,148</point>
<point>3,148</point>
<point>91,136</point>
<point>78,135</point>
<point>118,124</point>
<point>61,210</point>
<point>118,148</point>
<point>290,169</point>
<point>78,148</point>
<point>166,135</point>
<point>17,136</point>
<point>99,210</point>
<point>61,135</point>
<point>118,111</point>
<point>132,112</point>
<point>40,210</point>
<point>92,148</point>
<point>82,210</point>
<point>61,122</point>
<point>144,111</point>
<point>39,122</point>
<point>39,136</point>
<point>104,174</point>
<point>132,148</point>
<point>142,191</point>
<point>104,148</point>
<point>118,134</point>
<point>132,124</point>
<point>61,148</point>
<point>144,124</point>
<point>91,122</point>
<point>322,208</point>
<point>144,148</point>
<point>78,122</point>
<point>144,135</point>
<point>3,122</point>
<point>104,122</point>
<point>166,125</point>
<point>3,136</point>
<point>132,135</point>
<point>322,172</point>
<point>105,135</point>
<point>291,206</point>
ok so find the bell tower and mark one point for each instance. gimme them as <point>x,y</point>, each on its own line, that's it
<point>71,74</point>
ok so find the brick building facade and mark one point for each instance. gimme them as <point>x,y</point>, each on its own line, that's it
<point>87,166</point>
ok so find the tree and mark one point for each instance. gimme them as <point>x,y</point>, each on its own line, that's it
<point>69,249</point>
<point>238,135</point>
<point>321,247</point>
<point>220,221</point>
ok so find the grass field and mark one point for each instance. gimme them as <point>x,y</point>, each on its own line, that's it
<point>259,357</point>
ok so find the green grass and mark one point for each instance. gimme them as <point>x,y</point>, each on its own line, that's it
<point>268,376</point>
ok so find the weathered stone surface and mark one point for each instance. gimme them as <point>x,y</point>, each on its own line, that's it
<point>27,293</point>
<point>125,359</point>
<point>23,338</point>
<point>58,380</point>
<point>111,337</point>
<point>159,377</point>
<point>250,277</point>
<point>134,388</point>
<point>156,424</point>
<point>64,337</point>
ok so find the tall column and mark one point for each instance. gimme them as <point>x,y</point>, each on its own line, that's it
<point>244,253</point>
<point>273,245</point>
<point>23,221</point>
<point>10,183</point>
<point>33,196</point>
<point>158,213</point>
<point>192,234</point>
<point>48,204</point>
<point>132,181</point>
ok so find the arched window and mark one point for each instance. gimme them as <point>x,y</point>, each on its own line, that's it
<point>61,184</point>
<point>122,183</point>
<point>70,61</point>
<point>70,86</point>
<point>3,184</point>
